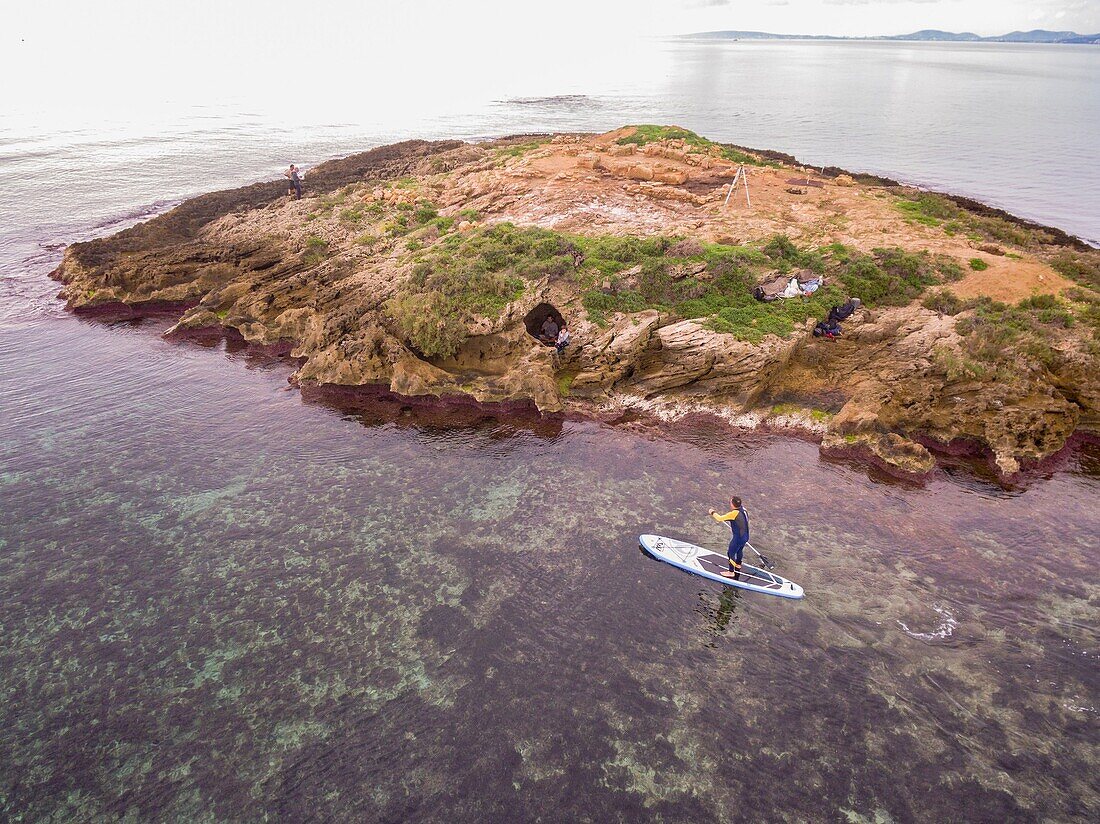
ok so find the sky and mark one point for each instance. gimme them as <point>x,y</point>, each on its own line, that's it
<point>61,56</point>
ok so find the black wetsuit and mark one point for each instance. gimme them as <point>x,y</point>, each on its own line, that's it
<point>738,520</point>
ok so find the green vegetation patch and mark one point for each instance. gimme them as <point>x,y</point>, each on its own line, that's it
<point>648,273</point>
<point>316,250</point>
<point>819,415</point>
<point>410,218</point>
<point>520,149</point>
<point>890,277</point>
<point>476,274</point>
<point>652,134</point>
<point>352,215</point>
<point>470,276</point>
<point>1015,335</point>
<point>1082,267</point>
<point>978,265</point>
<point>959,367</point>
<point>931,210</point>
<point>936,210</point>
<point>638,274</point>
<point>945,302</point>
<point>565,381</point>
<point>1085,304</point>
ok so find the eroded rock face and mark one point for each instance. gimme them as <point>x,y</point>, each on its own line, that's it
<point>890,451</point>
<point>251,261</point>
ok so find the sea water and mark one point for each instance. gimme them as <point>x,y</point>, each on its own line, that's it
<point>218,602</point>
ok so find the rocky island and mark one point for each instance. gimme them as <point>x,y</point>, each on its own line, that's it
<point>426,269</point>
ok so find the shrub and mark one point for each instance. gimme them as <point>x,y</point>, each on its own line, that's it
<point>780,247</point>
<point>650,134</point>
<point>783,252</point>
<point>425,213</point>
<point>420,320</point>
<point>601,304</point>
<point>474,275</point>
<point>888,276</point>
<point>945,302</point>
<point>958,368</point>
<point>934,210</point>
<point>978,265</point>
<point>1083,268</point>
<point>518,149</point>
<point>749,325</point>
<point>316,250</point>
<point>928,209</point>
<point>1049,310</point>
<point>948,269</point>
<point>999,333</point>
<point>1086,304</point>
<point>838,252</point>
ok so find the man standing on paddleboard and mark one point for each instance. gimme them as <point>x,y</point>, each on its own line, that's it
<point>738,520</point>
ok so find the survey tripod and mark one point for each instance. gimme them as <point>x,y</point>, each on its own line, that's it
<point>741,177</point>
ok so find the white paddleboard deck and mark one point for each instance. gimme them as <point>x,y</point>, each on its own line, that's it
<point>711,565</point>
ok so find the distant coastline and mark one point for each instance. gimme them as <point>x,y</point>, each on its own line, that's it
<point>924,36</point>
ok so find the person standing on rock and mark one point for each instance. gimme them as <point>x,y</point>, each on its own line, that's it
<point>295,178</point>
<point>738,520</point>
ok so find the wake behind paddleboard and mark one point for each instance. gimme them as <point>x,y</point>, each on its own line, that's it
<point>710,565</point>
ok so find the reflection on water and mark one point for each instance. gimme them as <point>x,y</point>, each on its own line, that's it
<point>719,612</point>
<point>223,602</point>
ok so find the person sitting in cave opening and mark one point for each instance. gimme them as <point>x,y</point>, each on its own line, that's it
<point>549,332</point>
<point>563,339</point>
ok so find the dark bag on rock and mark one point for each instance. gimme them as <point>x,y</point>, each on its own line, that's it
<point>838,313</point>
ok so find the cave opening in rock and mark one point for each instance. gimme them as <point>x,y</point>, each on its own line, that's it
<point>536,319</point>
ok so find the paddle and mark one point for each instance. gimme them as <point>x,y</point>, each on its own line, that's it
<point>767,564</point>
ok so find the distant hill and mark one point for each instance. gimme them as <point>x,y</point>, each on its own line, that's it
<point>936,35</point>
<point>925,35</point>
<point>1036,36</point>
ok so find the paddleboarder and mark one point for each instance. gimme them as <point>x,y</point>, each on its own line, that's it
<point>738,520</point>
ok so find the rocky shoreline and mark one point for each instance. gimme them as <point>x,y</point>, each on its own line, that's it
<point>418,270</point>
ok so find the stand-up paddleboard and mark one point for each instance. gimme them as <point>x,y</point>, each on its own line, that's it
<point>711,565</point>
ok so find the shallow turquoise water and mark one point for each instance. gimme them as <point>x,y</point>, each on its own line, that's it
<point>223,603</point>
